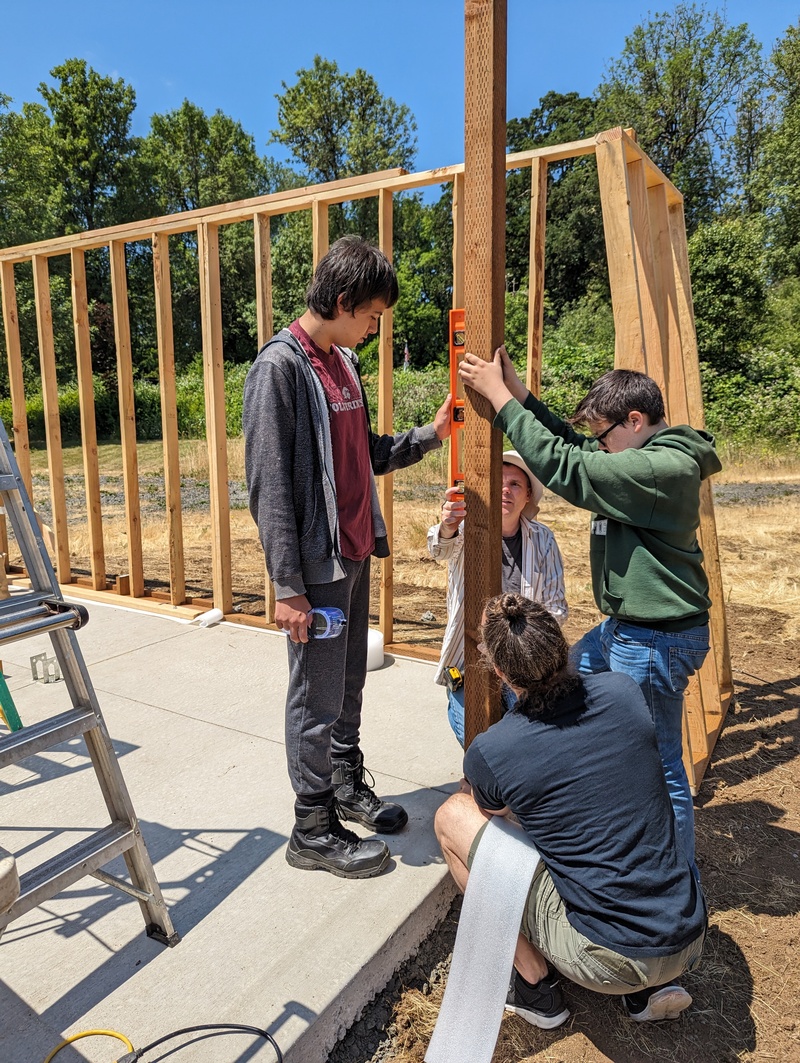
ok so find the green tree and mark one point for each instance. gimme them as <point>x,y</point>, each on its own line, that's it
<point>26,174</point>
<point>778,179</point>
<point>575,260</point>
<point>197,160</point>
<point>339,125</point>
<point>677,82</point>
<point>728,290</point>
<point>93,148</point>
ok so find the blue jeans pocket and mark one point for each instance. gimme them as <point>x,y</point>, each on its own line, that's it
<point>683,663</point>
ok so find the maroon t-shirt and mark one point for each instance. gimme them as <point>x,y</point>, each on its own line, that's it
<point>352,468</point>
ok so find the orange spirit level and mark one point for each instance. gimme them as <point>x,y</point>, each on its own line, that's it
<point>457,406</point>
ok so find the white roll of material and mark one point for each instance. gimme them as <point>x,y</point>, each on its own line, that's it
<point>374,650</point>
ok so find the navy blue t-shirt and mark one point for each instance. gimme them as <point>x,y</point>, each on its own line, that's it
<point>588,788</point>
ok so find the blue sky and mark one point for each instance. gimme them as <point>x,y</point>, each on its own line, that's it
<point>234,55</point>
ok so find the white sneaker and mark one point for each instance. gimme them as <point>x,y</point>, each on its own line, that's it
<point>653,1005</point>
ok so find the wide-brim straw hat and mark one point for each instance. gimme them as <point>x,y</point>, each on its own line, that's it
<point>511,457</point>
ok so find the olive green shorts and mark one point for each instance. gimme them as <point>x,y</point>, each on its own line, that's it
<point>545,925</point>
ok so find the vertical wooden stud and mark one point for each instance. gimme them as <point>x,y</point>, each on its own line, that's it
<point>19,429</point>
<point>484,294</point>
<point>319,227</point>
<point>385,419</point>
<point>263,253</point>
<point>265,328</point>
<point>644,263</point>
<point>458,241</point>
<point>91,468</point>
<point>533,374</point>
<point>214,373</point>
<point>127,415</point>
<point>612,172</point>
<point>708,531</point>
<point>55,458</point>
<point>169,416</point>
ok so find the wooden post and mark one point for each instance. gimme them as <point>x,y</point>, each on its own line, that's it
<point>265,329</point>
<point>169,417</point>
<point>612,172</point>
<point>533,375</point>
<point>458,242</point>
<point>214,373</point>
<point>22,448</point>
<point>91,468</point>
<point>127,415</point>
<point>484,294</point>
<point>694,396</point>
<point>55,458</point>
<point>385,419</point>
<point>319,230</point>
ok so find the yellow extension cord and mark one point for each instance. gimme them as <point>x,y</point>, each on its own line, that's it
<point>89,1033</point>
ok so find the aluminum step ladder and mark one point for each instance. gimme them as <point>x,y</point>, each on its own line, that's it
<point>43,610</point>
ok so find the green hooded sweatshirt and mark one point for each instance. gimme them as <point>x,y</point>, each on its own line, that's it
<point>646,563</point>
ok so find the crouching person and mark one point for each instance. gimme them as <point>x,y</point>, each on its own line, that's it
<point>614,905</point>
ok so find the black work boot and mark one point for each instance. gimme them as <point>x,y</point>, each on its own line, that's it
<point>358,801</point>
<point>319,842</point>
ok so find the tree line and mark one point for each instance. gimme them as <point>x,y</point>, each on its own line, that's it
<point>718,115</point>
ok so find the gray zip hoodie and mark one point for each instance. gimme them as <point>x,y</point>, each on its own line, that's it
<point>289,466</point>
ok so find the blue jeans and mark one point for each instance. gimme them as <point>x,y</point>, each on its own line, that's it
<point>661,663</point>
<point>455,708</point>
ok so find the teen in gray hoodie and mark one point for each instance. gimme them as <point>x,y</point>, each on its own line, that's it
<point>310,460</point>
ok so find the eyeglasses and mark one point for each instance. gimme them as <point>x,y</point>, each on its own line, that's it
<point>602,436</point>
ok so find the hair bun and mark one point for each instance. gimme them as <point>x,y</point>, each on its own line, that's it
<point>514,609</point>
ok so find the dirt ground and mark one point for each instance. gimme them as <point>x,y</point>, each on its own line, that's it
<point>747,991</point>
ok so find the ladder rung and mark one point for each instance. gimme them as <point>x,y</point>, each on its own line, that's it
<point>8,482</point>
<point>38,736</point>
<point>75,863</point>
<point>18,602</point>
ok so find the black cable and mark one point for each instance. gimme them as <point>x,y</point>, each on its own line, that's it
<point>132,1057</point>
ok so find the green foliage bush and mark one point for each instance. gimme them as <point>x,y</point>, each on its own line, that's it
<point>190,393</point>
<point>418,394</point>
<point>759,405</point>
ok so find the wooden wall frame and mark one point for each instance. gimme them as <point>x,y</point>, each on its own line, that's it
<point>653,315</point>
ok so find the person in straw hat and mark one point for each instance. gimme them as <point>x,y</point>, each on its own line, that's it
<point>532,566</point>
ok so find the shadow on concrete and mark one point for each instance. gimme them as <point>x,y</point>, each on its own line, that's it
<point>43,768</point>
<point>217,871</point>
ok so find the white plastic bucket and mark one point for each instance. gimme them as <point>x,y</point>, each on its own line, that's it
<point>374,650</point>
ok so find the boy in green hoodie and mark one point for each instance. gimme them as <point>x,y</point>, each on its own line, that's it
<point>640,479</point>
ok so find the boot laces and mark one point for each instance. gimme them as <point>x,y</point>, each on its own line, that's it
<point>349,838</point>
<point>363,783</point>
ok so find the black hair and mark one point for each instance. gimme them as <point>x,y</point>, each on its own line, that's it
<point>524,641</point>
<point>615,394</point>
<point>356,270</point>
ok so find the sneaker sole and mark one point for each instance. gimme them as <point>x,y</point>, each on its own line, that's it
<point>370,824</point>
<point>665,1004</point>
<point>544,1022</point>
<point>305,863</point>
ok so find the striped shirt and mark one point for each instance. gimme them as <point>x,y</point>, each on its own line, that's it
<point>542,581</point>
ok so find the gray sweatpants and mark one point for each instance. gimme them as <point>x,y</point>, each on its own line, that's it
<point>326,682</point>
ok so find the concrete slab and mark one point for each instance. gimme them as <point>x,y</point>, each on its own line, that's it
<point>196,717</point>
